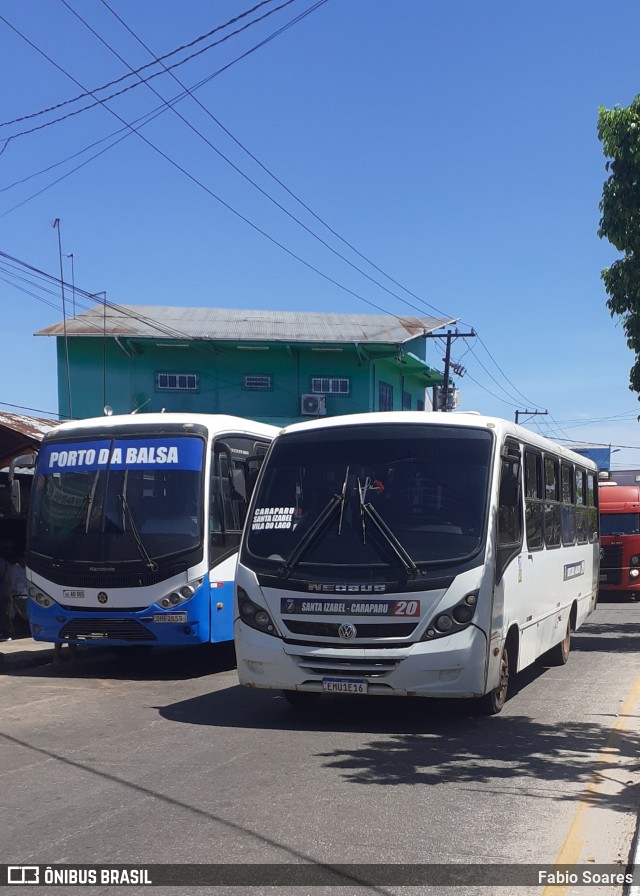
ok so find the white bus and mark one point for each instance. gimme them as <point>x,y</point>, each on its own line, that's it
<point>134,525</point>
<point>413,553</point>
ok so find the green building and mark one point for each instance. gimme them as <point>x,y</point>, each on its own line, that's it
<point>273,366</point>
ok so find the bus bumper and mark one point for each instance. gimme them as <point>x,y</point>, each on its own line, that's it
<point>117,629</point>
<point>453,666</point>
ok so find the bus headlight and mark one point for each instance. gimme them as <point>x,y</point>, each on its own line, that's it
<point>634,573</point>
<point>635,560</point>
<point>180,595</point>
<point>42,599</point>
<point>444,623</point>
<point>455,619</point>
<point>254,615</point>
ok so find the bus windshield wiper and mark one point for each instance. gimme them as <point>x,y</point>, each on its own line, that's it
<point>151,563</point>
<point>366,510</point>
<point>321,520</point>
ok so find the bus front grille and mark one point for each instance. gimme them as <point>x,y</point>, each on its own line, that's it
<point>330,666</point>
<point>366,630</point>
<point>106,630</point>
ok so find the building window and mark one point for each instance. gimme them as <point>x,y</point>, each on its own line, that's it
<point>420,404</point>
<point>406,401</point>
<point>176,382</point>
<point>385,396</point>
<point>257,382</point>
<point>330,385</point>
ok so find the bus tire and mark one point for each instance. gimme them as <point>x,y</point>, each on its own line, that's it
<point>559,654</point>
<point>301,699</point>
<point>491,704</point>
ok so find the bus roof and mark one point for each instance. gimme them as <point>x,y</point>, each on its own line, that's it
<point>437,418</point>
<point>214,422</point>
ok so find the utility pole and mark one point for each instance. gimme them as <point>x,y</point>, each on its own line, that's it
<point>447,359</point>
<point>531,414</point>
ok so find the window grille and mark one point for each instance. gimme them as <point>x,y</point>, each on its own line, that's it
<point>176,382</point>
<point>330,385</point>
<point>257,382</point>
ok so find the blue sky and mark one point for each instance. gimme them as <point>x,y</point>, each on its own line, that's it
<point>453,144</point>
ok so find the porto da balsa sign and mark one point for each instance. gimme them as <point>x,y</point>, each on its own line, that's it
<point>120,454</point>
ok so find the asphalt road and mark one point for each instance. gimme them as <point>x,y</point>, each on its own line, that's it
<point>164,759</point>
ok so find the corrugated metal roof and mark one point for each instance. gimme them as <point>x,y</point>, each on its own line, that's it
<point>162,322</point>
<point>20,434</point>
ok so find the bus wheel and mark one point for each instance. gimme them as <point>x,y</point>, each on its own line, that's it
<point>492,703</point>
<point>301,699</point>
<point>559,654</point>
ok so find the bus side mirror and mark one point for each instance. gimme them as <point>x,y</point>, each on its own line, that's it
<point>16,497</point>
<point>24,460</point>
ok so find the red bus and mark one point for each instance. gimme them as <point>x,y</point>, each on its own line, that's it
<point>620,538</point>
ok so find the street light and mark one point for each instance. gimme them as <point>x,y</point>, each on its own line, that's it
<point>56,226</point>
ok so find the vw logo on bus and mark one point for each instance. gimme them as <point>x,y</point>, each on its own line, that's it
<point>103,597</point>
<point>347,631</point>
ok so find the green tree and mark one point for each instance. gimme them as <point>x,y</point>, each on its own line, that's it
<point>619,132</point>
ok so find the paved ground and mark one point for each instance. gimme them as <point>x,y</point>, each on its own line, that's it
<point>24,653</point>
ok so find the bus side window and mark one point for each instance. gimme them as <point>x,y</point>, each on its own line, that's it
<point>551,502</point>
<point>592,506</point>
<point>509,509</point>
<point>582,521</point>
<point>533,499</point>
<point>568,504</point>
<point>252,466</point>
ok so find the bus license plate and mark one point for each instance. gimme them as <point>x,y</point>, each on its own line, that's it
<point>344,685</point>
<point>170,617</point>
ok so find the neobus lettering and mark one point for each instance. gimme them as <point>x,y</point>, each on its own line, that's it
<point>347,589</point>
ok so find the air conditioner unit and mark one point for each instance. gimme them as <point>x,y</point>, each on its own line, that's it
<point>313,405</point>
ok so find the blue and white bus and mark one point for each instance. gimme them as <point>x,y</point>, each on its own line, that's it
<point>134,525</point>
<point>413,554</point>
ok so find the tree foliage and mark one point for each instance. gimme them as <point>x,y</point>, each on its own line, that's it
<point>619,132</point>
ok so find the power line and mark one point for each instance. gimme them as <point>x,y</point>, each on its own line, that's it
<point>250,180</point>
<point>101,101</point>
<point>85,94</point>
<point>166,105</point>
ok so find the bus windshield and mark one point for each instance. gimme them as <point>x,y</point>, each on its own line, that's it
<point>619,524</point>
<point>399,495</point>
<point>117,500</point>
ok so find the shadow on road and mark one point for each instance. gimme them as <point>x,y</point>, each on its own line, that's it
<point>141,663</point>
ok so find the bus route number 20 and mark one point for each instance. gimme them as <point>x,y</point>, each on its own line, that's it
<point>406,608</point>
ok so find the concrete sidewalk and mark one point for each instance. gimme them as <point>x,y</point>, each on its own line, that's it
<point>23,653</point>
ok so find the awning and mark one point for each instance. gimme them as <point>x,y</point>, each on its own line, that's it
<point>20,434</point>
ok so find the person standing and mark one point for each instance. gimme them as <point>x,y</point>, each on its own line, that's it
<point>16,590</point>
<point>5,600</point>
